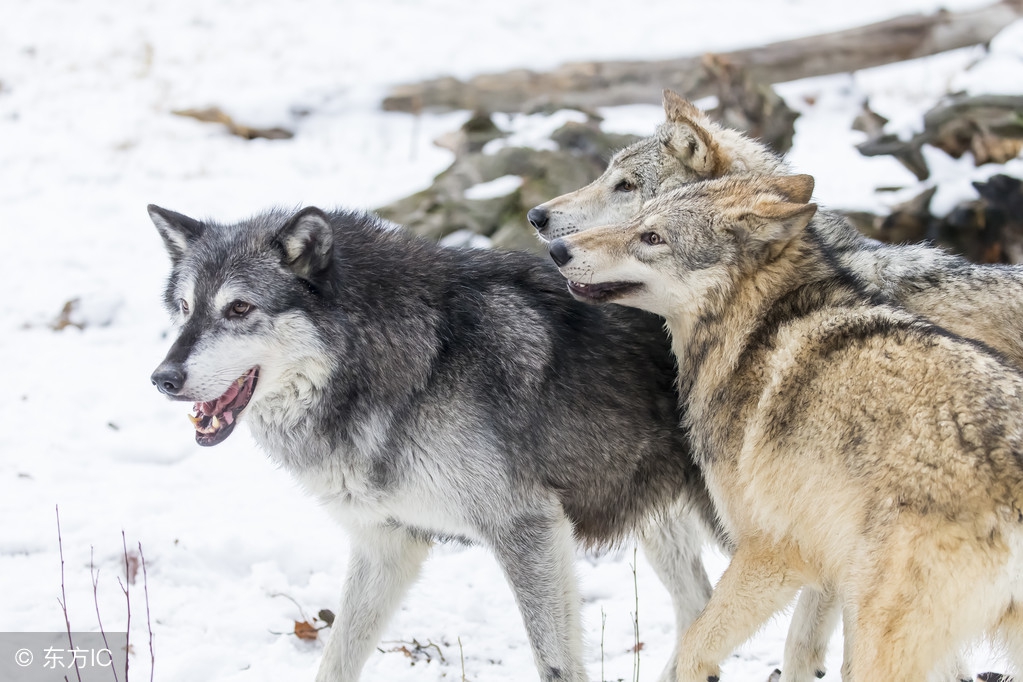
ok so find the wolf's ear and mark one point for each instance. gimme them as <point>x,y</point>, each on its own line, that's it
<point>677,108</point>
<point>688,140</point>
<point>308,243</point>
<point>778,222</point>
<point>178,231</point>
<point>795,188</point>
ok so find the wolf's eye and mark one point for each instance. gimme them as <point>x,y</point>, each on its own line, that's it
<point>183,304</point>
<point>239,309</point>
<point>625,186</point>
<point>651,238</point>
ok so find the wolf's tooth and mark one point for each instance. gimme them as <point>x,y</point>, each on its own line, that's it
<point>216,423</point>
<point>194,419</point>
<point>241,381</point>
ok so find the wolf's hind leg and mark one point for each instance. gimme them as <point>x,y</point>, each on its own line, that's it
<point>756,584</point>
<point>806,645</point>
<point>384,562</point>
<point>537,552</point>
<point>673,544</point>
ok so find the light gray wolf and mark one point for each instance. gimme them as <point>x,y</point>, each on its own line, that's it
<point>983,302</point>
<point>425,393</point>
<point>846,442</point>
<point>975,301</point>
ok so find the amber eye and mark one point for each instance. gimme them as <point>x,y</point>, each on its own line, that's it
<point>239,309</point>
<point>651,238</point>
<point>183,304</point>
<point>625,186</point>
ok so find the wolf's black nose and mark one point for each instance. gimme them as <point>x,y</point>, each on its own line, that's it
<point>537,217</point>
<point>559,252</point>
<point>168,380</point>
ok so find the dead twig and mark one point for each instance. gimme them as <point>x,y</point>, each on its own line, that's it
<point>94,573</point>
<point>149,622</point>
<point>217,115</point>
<point>417,652</point>
<point>63,594</point>
<point>127,600</point>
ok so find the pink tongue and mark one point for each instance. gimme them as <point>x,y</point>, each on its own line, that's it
<point>229,395</point>
<point>217,406</point>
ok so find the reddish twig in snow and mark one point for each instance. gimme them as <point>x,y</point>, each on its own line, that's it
<point>94,573</point>
<point>63,600</point>
<point>149,622</point>
<point>127,600</point>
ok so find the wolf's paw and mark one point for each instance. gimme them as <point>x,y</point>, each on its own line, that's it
<point>776,675</point>
<point>707,676</point>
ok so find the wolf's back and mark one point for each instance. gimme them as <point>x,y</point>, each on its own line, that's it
<point>581,399</point>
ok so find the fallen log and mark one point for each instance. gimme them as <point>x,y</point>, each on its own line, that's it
<point>988,229</point>
<point>586,85</point>
<point>988,126</point>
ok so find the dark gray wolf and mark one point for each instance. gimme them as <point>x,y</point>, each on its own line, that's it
<point>980,302</point>
<point>847,443</point>
<point>425,393</point>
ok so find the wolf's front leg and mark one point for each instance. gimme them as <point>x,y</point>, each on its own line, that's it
<point>673,544</point>
<point>806,645</point>
<point>384,562</point>
<point>537,551</point>
<point>756,584</point>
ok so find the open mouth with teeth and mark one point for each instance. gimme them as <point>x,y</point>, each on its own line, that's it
<point>214,421</point>
<point>602,291</point>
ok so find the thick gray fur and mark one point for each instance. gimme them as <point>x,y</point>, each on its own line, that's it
<point>424,393</point>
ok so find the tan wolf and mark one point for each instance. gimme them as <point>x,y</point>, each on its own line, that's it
<point>975,301</point>
<point>846,442</point>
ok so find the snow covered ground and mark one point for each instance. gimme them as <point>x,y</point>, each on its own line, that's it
<point>87,140</point>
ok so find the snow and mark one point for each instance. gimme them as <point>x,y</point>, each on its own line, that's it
<point>1001,72</point>
<point>466,238</point>
<point>87,140</point>
<point>532,130</point>
<point>902,93</point>
<point>498,187</point>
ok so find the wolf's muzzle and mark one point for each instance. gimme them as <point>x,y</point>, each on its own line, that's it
<point>169,379</point>
<point>559,252</point>
<point>537,217</point>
